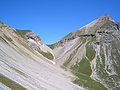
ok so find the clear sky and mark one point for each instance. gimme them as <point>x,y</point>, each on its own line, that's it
<point>53,19</point>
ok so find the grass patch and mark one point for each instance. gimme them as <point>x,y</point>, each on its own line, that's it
<point>86,82</point>
<point>47,55</point>
<point>11,84</point>
<point>83,67</point>
<point>83,39</point>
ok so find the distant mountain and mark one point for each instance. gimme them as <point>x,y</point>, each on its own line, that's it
<point>92,53</point>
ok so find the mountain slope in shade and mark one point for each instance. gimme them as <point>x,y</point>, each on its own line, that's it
<point>92,53</point>
<point>25,63</point>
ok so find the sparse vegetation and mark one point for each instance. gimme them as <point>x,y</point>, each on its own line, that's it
<point>47,55</point>
<point>65,64</point>
<point>115,56</point>
<point>22,32</point>
<point>52,46</point>
<point>69,58</point>
<point>83,39</point>
<point>104,75</point>
<point>8,38</point>
<point>83,67</point>
<point>18,71</point>
<point>2,39</point>
<point>108,23</point>
<point>11,84</point>
<point>88,83</point>
<point>93,39</point>
<point>90,52</point>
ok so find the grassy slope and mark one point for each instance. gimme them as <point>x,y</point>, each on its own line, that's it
<point>83,69</point>
<point>83,72</point>
<point>11,84</point>
<point>87,82</point>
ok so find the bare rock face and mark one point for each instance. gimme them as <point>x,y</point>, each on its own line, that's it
<point>32,35</point>
<point>34,40</point>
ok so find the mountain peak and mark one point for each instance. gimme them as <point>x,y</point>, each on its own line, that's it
<point>101,24</point>
<point>104,18</point>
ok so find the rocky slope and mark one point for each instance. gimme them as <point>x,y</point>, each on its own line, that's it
<point>89,57</point>
<point>26,63</point>
<point>92,54</point>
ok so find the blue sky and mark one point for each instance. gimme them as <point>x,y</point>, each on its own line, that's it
<point>53,19</point>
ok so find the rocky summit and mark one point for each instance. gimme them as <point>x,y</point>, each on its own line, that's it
<point>87,59</point>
